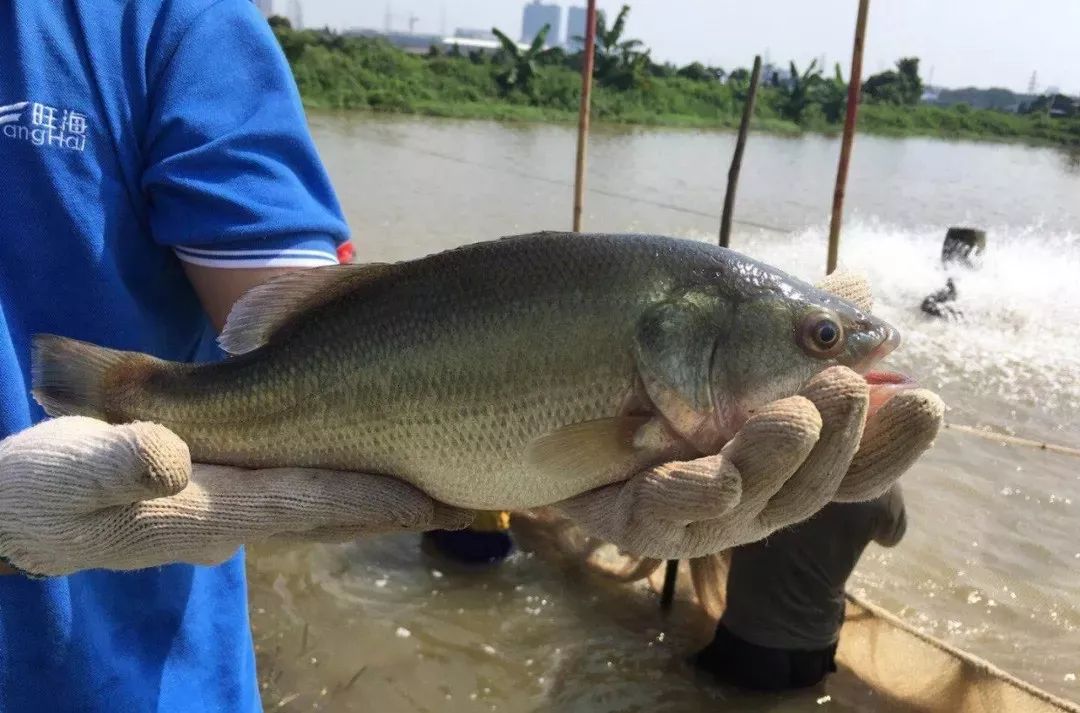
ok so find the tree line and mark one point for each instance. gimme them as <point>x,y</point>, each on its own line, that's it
<point>534,82</point>
<point>625,63</point>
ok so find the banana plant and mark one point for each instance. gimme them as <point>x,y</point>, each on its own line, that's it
<point>800,91</point>
<point>832,95</point>
<point>520,66</point>
<point>617,61</point>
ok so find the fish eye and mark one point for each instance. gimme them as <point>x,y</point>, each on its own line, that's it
<point>821,335</point>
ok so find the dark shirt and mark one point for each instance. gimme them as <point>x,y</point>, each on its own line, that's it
<point>787,591</point>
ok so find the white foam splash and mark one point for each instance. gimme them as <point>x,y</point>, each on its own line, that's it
<point>1014,360</point>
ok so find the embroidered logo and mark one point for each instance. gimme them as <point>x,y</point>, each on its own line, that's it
<point>44,125</point>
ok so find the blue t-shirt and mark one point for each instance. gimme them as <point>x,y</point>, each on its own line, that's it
<point>135,134</point>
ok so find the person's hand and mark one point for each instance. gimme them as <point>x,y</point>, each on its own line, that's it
<point>788,461</point>
<point>77,493</point>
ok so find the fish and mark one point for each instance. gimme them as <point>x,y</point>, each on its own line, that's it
<point>505,374</point>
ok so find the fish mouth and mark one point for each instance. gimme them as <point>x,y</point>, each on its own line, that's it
<point>886,346</point>
<point>884,384</point>
<point>881,378</point>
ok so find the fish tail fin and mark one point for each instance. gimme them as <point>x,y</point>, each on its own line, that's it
<point>70,377</point>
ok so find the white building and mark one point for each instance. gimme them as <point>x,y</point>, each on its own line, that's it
<point>470,44</point>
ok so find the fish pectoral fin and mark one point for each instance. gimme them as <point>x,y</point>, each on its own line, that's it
<point>599,451</point>
<point>266,309</point>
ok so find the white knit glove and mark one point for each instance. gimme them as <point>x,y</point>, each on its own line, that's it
<point>77,493</point>
<point>787,462</point>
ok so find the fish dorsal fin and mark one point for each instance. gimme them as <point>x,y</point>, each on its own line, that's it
<point>263,310</point>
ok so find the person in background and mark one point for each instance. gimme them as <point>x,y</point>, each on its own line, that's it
<point>936,304</point>
<point>961,252</point>
<point>785,595</point>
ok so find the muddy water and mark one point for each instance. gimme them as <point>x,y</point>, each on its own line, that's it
<point>991,561</point>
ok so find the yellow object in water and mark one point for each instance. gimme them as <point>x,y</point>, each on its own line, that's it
<point>491,521</point>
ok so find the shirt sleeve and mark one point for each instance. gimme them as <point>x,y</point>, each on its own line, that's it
<point>232,176</point>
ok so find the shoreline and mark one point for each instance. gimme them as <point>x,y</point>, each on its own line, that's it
<point>364,74</point>
<point>528,114</point>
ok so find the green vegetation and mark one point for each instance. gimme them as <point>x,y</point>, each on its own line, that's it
<point>535,84</point>
<point>618,63</point>
<point>992,98</point>
<point>519,67</point>
<point>902,87</point>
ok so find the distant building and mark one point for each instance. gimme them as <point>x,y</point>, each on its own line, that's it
<point>266,7</point>
<point>474,44</point>
<point>417,43</point>
<point>930,95</point>
<point>472,33</point>
<point>535,16</point>
<point>413,42</point>
<point>296,15</point>
<point>575,27</point>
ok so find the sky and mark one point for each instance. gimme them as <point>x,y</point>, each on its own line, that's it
<point>963,42</point>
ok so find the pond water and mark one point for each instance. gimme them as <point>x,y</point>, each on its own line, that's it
<point>991,562</point>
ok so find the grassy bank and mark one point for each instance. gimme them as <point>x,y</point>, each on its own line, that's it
<point>963,122</point>
<point>335,72</point>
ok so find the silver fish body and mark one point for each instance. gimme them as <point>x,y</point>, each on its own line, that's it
<point>501,375</point>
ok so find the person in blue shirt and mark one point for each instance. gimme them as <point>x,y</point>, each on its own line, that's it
<point>156,165</point>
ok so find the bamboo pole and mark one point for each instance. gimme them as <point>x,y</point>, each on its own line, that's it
<point>854,87</point>
<point>667,595</point>
<point>736,160</point>
<point>583,112</point>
